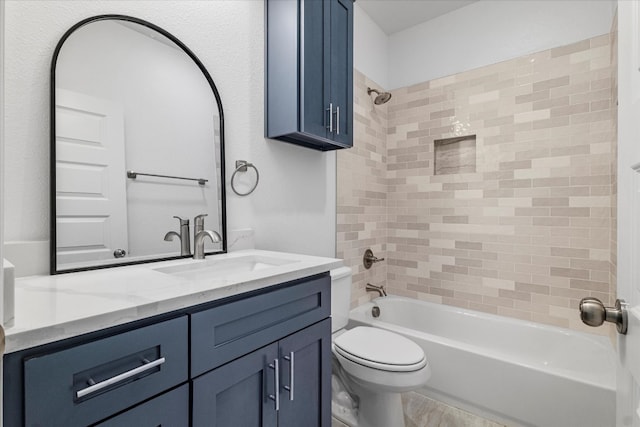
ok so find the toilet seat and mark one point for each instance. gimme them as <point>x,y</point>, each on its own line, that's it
<point>380,349</point>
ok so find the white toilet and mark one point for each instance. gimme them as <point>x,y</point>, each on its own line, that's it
<point>377,365</point>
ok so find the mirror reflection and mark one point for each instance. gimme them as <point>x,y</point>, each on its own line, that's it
<point>137,147</point>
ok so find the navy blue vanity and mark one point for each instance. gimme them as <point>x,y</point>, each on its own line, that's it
<point>260,358</point>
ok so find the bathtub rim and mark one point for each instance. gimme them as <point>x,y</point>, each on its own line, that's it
<point>358,314</point>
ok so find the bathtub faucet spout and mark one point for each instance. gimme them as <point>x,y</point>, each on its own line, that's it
<point>379,289</point>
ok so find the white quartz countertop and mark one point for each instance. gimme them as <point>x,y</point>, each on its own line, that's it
<point>51,308</point>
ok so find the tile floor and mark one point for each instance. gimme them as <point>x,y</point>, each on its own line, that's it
<point>421,411</point>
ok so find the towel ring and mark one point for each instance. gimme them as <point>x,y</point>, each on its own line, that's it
<point>241,166</point>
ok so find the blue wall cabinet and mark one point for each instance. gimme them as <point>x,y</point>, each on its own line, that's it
<point>309,72</point>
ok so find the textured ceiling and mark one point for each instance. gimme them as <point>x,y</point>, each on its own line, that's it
<point>397,15</point>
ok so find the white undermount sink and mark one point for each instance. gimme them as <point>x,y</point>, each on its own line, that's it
<point>215,268</point>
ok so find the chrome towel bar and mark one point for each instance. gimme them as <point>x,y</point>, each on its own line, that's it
<point>134,175</point>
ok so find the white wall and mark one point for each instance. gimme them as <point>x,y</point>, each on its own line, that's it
<point>294,205</point>
<point>370,48</point>
<point>491,31</point>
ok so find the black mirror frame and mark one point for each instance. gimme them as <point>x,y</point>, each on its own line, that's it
<point>53,265</point>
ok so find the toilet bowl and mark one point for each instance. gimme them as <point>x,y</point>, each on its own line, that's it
<point>377,365</point>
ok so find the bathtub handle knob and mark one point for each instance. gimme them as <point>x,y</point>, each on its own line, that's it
<point>594,313</point>
<point>369,259</point>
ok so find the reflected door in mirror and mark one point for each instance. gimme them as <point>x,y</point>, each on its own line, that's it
<point>91,211</point>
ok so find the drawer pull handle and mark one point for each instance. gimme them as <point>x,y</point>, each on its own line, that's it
<point>276,369</point>
<point>123,376</point>
<point>289,388</point>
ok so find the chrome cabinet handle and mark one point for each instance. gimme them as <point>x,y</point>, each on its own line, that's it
<point>330,110</point>
<point>276,397</point>
<point>337,120</point>
<point>106,383</point>
<point>289,388</point>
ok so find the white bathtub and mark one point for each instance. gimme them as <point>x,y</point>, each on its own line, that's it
<point>512,371</point>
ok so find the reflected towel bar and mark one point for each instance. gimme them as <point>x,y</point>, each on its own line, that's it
<point>134,175</point>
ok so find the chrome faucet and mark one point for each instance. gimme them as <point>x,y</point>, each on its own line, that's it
<point>198,225</point>
<point>379,289</point>
<point>185,242</point>
<point>198,243</point>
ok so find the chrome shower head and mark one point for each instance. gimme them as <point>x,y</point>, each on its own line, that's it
<point>381,98</point>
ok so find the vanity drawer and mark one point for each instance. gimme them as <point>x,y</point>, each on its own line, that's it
<point>124,369</point>
<point>167,410</point>
<point>223,333</point>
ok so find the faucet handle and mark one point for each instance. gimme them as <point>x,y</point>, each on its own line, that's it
<point>182,221</point>
<point>199,219</point>
<point>369,259</point>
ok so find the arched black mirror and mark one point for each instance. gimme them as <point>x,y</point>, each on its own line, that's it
<point>137,138</point>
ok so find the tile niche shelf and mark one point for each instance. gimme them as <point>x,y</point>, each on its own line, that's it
<point>454,155</point>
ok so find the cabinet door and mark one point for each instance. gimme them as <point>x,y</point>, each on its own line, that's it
<point>238,393</point>
<point>341,64</point>
<point>314,70</point>
<point>306,377</point>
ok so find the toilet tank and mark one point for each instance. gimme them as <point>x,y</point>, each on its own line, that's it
<point>340,297</point>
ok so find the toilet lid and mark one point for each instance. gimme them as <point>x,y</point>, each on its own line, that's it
<point>380,349</point>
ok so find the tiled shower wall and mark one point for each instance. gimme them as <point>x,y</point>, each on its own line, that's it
<point>362,191</point>
<point>527,234</point>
